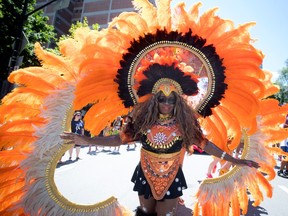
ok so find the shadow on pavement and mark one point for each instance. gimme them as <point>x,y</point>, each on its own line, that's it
<point>60,164</point>
<point>256,210</point>
<point>184,211</point>
<point>252,210</point>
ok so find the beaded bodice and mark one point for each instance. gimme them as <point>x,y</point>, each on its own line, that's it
<point>162,138</point>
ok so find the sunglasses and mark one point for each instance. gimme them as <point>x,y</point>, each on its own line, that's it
<point>78,114</point>
<point>164,100</point>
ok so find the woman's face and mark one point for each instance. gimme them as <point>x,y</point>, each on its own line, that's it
<point>166,104</point>
<point>78,115</point>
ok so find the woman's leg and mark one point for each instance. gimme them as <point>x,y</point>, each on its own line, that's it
<point>147,206</point>
<point>77,152</point>
<point>168,207</point>
<point>70,152</point>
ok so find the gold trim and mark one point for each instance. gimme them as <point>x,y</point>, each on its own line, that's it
<point>66,122</point>
<point>51,187</point>
<point>168,92</point>
<point>195,51</point>
<point>163,146</point>
<point>235,169</point>
<point>61,200</point>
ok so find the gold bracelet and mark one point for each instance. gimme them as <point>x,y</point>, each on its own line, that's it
<point>223,155</point>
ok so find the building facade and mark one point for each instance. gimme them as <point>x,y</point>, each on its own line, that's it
<point>63,13</point>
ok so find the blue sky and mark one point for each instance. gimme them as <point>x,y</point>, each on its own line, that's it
<point>270,31</point>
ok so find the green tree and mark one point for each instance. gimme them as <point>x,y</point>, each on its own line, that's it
<point>35,29</point>
<point>1,14</point>
<point>282,81</point>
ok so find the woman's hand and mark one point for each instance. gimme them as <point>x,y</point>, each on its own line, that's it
<point>244,162</point>
<point>212,149</point>
<point>72,138</point>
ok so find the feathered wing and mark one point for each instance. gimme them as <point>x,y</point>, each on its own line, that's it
<point>85,74</point>
<point>32,117</point>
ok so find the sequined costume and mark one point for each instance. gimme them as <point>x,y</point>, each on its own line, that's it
<point>161,160</point>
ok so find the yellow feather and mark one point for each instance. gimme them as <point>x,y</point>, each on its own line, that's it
<point>138,22</point>
<point>147,12</point>
<point>164,14</point>
<point>126,27</point>
<point>194,11</point>
<point>181,18</point>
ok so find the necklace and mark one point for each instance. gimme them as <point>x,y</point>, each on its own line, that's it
<point>166,123</point>
<point>163,117</point>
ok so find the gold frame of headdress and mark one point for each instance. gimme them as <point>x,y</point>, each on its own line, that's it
<point>167,89</point>
<point>52,190</point>
<point>176,44</point>
<point>56,196</point>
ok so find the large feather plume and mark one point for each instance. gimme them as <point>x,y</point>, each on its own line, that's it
<point>84,73</point>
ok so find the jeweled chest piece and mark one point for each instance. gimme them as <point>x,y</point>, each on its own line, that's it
<point>163,134</point>
<point>160,138</point>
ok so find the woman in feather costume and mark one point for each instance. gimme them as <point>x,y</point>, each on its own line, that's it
<point>166,126</point>
<point>105,69</point>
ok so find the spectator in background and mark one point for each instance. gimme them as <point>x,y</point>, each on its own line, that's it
<point>128,120</point>
<point>284,160</point>
<point>77,127</point>
<point>116,127</point>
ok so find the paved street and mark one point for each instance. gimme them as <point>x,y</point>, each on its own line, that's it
<point>105,173</point>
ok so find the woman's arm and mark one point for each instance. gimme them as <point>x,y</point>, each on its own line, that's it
<point>72,138</point>
<point>212,149</point>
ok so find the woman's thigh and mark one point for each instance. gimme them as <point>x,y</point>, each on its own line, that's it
<point>167,207</point>
<point>147,205</point>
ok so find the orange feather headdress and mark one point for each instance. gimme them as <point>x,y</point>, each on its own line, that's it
<point>212,62</point>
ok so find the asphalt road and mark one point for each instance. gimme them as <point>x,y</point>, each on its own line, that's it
<point>106,173</point>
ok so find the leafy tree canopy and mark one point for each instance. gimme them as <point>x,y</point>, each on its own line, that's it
<point>35,29</point>
<point>1,14</point>
<point>282,81</point>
